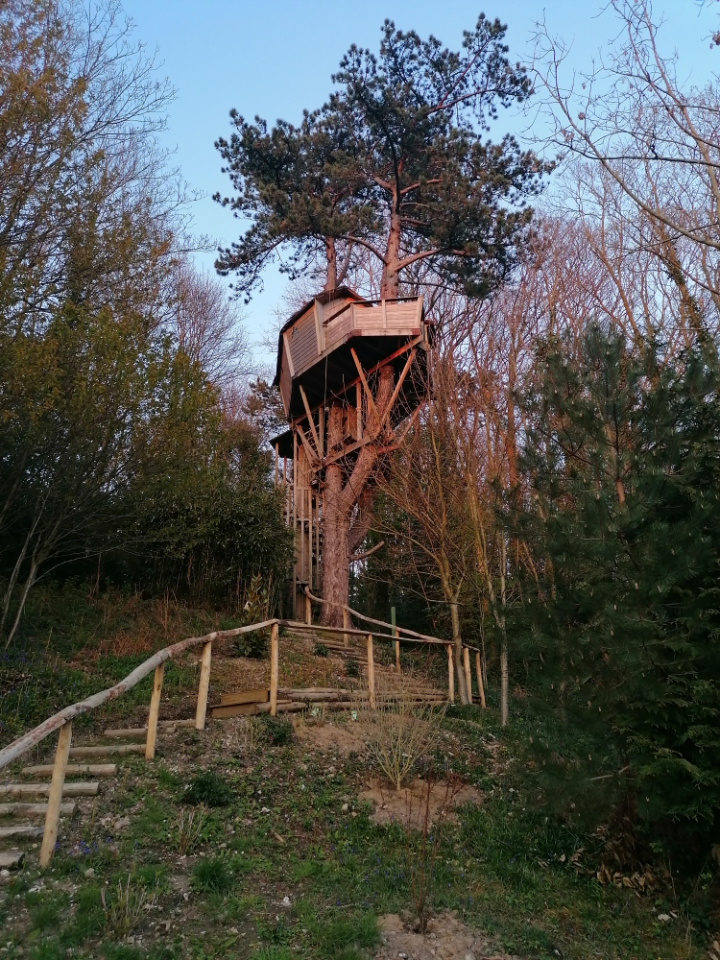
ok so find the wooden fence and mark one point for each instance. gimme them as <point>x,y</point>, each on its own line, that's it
<point>62,721</point>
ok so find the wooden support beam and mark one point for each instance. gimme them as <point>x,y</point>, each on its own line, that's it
<point>274,667</point>
<point>203,686</point>
<point>398,387</point>
<point>346,637</point>
<point>311,455</point>
<point>451,674</point>
<point>371,399</point>
<point>397,642</point>
<point>468,674</point>
<point>73,769</point>
<point>308,608</point>
<point>371,671</point>
<point>311,422</point>
<point>72,789</point>
<point>154,712</point>
<point>57,783</point>
<point>121,749</point>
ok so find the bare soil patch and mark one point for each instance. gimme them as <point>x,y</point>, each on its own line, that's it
<point>407,806</point>
<point>447,938</point>
<point>341,738</point>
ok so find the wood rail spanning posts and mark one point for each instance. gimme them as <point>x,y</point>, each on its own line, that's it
<point>412,635</point>
<point>62,721</point>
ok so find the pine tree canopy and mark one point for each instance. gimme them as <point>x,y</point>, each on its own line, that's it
<point>393,164</point>
<point>620,622</point>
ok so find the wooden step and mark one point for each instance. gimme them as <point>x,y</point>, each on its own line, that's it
<point>76,789</point>
<point>35,809</point>
<point>167,725</point>
<point>107,750</point>
<point>11,859</point>
<point>21,830</point>
<point>73,770</point>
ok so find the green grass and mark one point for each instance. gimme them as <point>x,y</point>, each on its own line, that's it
<point>213,875</point>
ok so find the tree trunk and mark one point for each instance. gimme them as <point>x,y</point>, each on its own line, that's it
<point>339,499</point>
<point>457,643</point>
<point>335,569</point>
<point>331,254</point>
<point>390,282</point>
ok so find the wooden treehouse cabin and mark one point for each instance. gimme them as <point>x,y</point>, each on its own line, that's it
<point>330,353</point>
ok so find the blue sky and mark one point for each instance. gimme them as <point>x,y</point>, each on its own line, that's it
<point>274,58</point>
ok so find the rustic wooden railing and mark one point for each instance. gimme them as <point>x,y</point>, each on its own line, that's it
<point>411,636</point>
<point>62,721</point>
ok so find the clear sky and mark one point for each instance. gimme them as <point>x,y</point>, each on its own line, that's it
<point>275,57</point>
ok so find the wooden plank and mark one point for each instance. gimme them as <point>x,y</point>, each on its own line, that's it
<point>55,794</point>
<point>107,750</point>
<point>274,667</point>
<point>451,674</point>
<point>73,769</point>
<point>85,788</point>
<point>282,707</point>
<point>11,859</point>
<point>26,830</point>
<point>259,695</point>
<point>128,732</point>
<point>154,712</point>
<point>35,809</point>
<point>234,710</point>
<point>203,686</point>
<point>311,422</point>
<point>20,746</point>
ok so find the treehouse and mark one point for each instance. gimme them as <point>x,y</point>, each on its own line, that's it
<point>330,353</point>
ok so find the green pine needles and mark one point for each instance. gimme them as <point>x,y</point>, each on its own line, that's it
<point>621,606</point>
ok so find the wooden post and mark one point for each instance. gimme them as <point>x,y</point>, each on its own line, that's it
<point>397,642</point>
<point>204,686</point>
<point>154,712</point>
<point>346,636</point>
<point>52,816</point>
<point>308,607</point>
<point>371,671</point>
<point>481,688</point>
<point>468,674</point>
<point>451,675</point>
<point>274,662</point>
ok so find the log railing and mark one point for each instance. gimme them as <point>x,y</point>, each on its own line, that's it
<point>62,721</point>
<point>409,636</point>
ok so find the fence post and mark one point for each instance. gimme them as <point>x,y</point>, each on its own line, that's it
<point>481,688</point>
<point>397,642</point>
<point>451,675</point>
<point>308,607</point>
<point>371,671</point>
<point>204,686</point>
<point>346,637</point>
<point>468,674</point>
<point>154,712</point>
<point>56,791</point>
<point>274,667</point>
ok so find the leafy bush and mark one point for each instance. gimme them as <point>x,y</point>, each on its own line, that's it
<point>352,668</point>
<point>209,789</point>
<point>321,650</point>
<point>212,875</point>
<point>255,609</point>
<point>279,730</point>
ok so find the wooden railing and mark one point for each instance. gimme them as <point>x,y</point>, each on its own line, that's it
<point>410,636</point>
<point>62,721</point>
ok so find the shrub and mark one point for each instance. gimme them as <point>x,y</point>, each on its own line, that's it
<point>279,730</point>
<point>321,650</point>
<point>209,789</point>
<point>212,875</point>
<point>400,732</point>
<point>352,668</point>
<point>125,908</point>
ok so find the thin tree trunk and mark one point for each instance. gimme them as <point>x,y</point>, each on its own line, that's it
<point>457,643</point>
<point>23,597</point>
